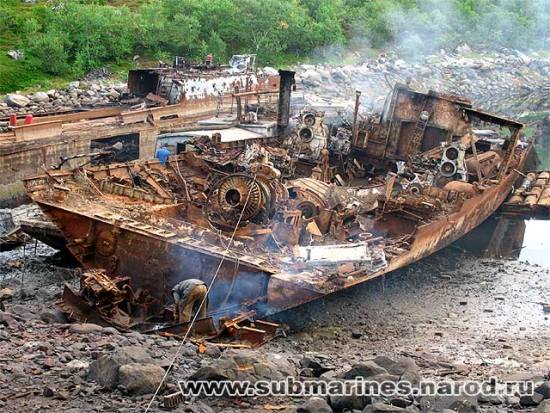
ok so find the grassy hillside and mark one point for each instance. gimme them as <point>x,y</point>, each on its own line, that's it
<point>26,74</point>
<point>15,74</point>
<point>64,39</point>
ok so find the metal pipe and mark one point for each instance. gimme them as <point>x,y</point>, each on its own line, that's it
<point>285,88</point>
<point>259,92</point>
<point>238,103</point>
<point>355,131</point>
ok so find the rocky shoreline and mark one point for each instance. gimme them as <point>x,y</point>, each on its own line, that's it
<point>508,82</point>
<point>474,328</point>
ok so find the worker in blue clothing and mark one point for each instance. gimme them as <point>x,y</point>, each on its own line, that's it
<point>162,154</point>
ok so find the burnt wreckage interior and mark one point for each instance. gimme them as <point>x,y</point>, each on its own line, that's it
<point>275,222</point>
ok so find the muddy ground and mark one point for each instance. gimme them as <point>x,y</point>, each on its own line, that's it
<point>453,314</point>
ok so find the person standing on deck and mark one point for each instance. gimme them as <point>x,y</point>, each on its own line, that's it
<point>162,154</point>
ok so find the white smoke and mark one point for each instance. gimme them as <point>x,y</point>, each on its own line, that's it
<point>443,24</point>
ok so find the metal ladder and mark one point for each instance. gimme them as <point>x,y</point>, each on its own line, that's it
<point>421,124</point>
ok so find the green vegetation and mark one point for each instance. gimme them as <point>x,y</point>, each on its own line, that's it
<point>63,39</point>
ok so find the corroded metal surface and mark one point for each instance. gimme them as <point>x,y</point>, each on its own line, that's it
<point>531,198</point>
<point>269,225</point>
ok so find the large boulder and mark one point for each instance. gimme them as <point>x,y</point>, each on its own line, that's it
<point>404,367</point>
<point>346,403</point>
<point>40,97</point>
<point>465,404</point>
<point>312,76</point>
<point>140,378</point>
<point>209,373</point>
<point>270,71</point>
<point>529,400</point>
<point>105,370</point>
<point>9,320</point>
<point>17,101</point>
<point>244,365</point>
<point>366,370</point>
<point>315,365</point>
<point>53,316</point>
<point>544,389</point>
<point>315,405</point>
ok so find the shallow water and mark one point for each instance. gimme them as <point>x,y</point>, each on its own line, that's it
<point>536,243</point>
<point>513,239</point>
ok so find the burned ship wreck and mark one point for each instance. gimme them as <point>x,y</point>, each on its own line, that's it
<point>273,222</point>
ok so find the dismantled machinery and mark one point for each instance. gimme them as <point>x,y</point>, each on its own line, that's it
<point>184,81</point>
<point>274,223</point>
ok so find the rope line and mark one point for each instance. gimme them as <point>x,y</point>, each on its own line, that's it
<point>202,303</point>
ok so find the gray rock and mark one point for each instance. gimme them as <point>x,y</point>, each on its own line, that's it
<point>6,293</point>
<point>189,350</point>
<point>464,406</point>
<point>403,367</point>
<point>544,407</point>
<point>209,373</point>
<point>463,48</point>
<point>315,405</point>
<point>105,369</point>
<point>529,400</point>
<point>270,71</point>
<point>367,369</point>
<point>9,320</point>
<point>213,351</point>
<point>356,334</point>
<point>544,389</point>
<point>315,365</point>
<point>382,407</point>
<point>400,402</point>
<point>512,401</point>
<point>342,403</point>
<point>85,328</point>
<point>40,97</point>
<point>17,101</point>
<point>490,399</point>
<point>110,331</point>
<point>339,74</point>
<point>467,404</point>
<point>77,364</point>
<point>246,365</point>
<point>140,378</point>
<point>198,407</point>
<point>15,54</point>
<point>312,76</point>
<point>53,316</point>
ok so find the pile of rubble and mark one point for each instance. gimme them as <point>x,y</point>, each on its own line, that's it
<point>78,94</point>
<point>506,81</point>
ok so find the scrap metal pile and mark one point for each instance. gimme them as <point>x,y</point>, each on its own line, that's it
<point>532,197</point>
<point>275,223</point>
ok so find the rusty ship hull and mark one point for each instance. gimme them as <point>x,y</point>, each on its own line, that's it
<point>157,260</point>
<point>272,224</point>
